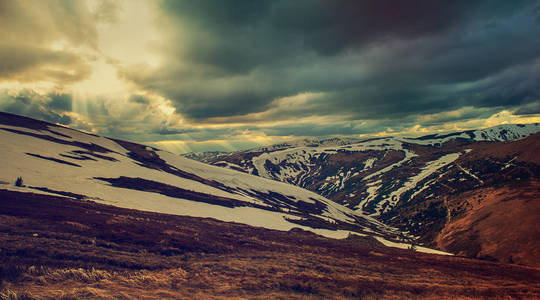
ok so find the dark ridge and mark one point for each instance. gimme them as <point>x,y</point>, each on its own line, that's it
<point>25,122</point>
<point>314,222</point>
<point>145,185</point>
<point>438,136</point>
<point>90,147</point>
<point>58,133</point>
<point>80,157</point>
<point>20,121</point>
<point>277,201</point>
<point>94,155</point>
<point>238,169</point>
<point>67,194</point>
<point>371,139</point>
<point>280,201</point>
<point>53,159</point>
<point>149,159</point>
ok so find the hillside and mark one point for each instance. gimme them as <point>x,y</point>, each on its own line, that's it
<point>361,174</point>
<point>418,185</point>
<point>487,204</point>
<point>56,160</point>
<point>54,247</point>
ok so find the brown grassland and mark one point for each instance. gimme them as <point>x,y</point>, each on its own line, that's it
<point>499,222</point>
<point>61,248</point>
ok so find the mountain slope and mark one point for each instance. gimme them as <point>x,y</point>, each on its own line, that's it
<point>500,133</point>
<point>60,161</point>
<point>410,183</point>
<point>55,247</point>
<point>370,176</point>
<point>487,204</point>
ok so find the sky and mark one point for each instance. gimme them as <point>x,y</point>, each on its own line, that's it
<point>185,75</point>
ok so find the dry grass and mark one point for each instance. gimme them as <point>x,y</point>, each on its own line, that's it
<point>256,277</point>
<point>517,208</point>
<point>8,294</point>
<point>57,248</point>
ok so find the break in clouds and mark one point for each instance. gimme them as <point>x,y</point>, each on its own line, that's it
<point>237,69</point>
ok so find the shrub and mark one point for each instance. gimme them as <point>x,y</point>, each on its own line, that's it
<point>19,181</point>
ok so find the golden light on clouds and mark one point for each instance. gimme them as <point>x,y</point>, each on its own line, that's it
<point>127,39</point>
<point>194,75</point>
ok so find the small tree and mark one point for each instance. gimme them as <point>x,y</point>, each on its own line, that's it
<point>19,181</point>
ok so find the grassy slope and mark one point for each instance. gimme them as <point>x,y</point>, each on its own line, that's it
<point>53,247</point>
<point>500,218</point>
<point>497,224</point>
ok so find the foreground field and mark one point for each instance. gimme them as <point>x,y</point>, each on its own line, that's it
<point>61,248</point>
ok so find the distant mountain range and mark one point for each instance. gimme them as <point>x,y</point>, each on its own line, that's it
<point>451,190</point>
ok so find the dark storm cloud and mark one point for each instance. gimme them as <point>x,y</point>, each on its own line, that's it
<point>172,131</point>
<point>368,59</point>
<point>62,102</point>
<point>51,108</point>
<point>532,108</point>
<point>320,130</point>
<point>250,29</point>
<point>137,119</point>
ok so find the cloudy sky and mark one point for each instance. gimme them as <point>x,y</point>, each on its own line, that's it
<point>225,75</point>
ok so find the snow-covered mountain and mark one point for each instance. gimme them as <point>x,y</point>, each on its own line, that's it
<point>57,160</point>
<point>403,182</point>
<point>203,154</point>
<point>500,133</point>
<point>361,174</point>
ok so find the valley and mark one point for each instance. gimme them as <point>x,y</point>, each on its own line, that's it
<point>84,216</point>
<point>420,186</point>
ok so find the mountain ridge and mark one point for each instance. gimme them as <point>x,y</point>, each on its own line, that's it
<point>504,132</point>
<point>406,183</point>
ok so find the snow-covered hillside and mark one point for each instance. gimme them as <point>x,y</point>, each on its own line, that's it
<point>501,133</point>
<point>369,176</point>
<point>421,185</point>
<point>57,160</point>
<point>354,172</point>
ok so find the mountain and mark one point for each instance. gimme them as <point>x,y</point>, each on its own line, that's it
<point>501,133</point>
<point>416,184</point>
<point>484,204</point>
<point>55,160</point>
<point>203,154</point>
<point>360,174</point>
<point>87,217</point>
